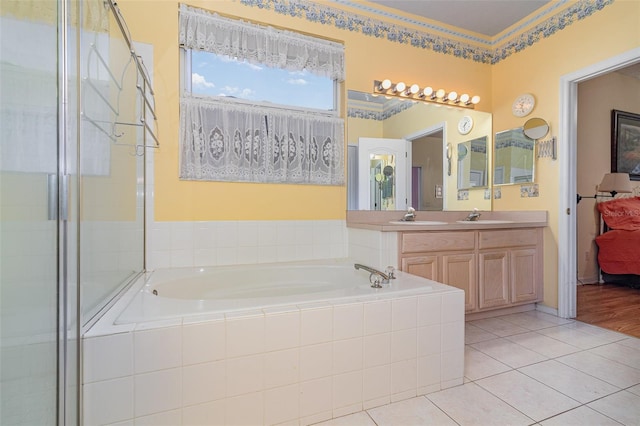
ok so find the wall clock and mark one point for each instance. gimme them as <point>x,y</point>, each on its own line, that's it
<point>465,125</point>
<point>523,105</point>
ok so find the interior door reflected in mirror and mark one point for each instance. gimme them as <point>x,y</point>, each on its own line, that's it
<point>382,180</point>
<point>472,163</point>
<point>513,157</point>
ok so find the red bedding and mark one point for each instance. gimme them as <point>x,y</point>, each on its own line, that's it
<point>621,213</point>
<point>619,251</point>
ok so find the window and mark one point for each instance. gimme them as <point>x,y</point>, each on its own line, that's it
<point>210,74</point>
<point>259,104</point>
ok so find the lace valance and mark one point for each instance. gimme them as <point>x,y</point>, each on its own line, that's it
<point>288,50</point>
<point>227,140</point>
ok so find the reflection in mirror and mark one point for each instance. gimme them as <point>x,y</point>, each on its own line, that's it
<point>382,174</point>
<point>513,157</point>
<point>382,180</point>
<point>429,181</point>
<point>472,163</point>
<point>536,128</point>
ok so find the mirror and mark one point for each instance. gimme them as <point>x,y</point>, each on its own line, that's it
<point>430,132</point>
<point>472,163</point>
<point>536,128</point>
<point>513,157</point>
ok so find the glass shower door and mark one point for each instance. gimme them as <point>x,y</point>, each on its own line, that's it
<point>36,327</point>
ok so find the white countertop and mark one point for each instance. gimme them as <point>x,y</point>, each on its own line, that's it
<point>390,221</point>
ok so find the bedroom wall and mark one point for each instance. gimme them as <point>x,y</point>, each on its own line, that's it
<point>596,98</point>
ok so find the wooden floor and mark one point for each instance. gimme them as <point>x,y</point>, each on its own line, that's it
<point>611,306</point>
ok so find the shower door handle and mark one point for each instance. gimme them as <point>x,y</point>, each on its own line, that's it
<point>52,196</point>
<point>57,196</point>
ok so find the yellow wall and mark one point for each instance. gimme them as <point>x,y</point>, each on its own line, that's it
<point>536,69</point>
<point>367,58</point>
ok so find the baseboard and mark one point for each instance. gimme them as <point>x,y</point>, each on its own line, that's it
<point>546,309</point>
<point>589,280</point>
<point>499,312</point>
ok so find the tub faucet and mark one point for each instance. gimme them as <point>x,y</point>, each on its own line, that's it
<point>410,216</point>
<point>377,277</point>
<point>473,216</point>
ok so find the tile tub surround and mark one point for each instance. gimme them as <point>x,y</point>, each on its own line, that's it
<point>302,364</point>
<point>215,243</point>
<point>589,376</point>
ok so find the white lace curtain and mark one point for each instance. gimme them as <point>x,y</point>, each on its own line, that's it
<point>224,140</point>
<point>202,30</point>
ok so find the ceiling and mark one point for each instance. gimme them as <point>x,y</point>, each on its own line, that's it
<point>487,17</point>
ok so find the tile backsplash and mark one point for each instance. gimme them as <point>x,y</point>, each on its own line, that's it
<point>212,243</point>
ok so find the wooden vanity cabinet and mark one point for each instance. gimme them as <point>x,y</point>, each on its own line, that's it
<point>446,257</point>
<point>510,267</point>
<point>496,268</point>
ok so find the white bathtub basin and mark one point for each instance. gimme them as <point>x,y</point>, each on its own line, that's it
<point>484,221</point>
<point>418,222</point>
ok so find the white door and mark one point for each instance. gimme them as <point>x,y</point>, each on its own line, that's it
<point>383,174</point>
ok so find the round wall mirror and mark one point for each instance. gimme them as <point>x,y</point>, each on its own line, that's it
<point>536,128</point>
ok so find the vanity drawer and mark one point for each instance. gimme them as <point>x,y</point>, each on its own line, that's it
<point>508,238</point>
<point>416,242</point>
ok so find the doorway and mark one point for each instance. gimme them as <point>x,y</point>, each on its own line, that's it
<point>567,239</point>
<point>429,156</point>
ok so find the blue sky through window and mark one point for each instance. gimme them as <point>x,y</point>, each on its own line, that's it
<point>218,75</point>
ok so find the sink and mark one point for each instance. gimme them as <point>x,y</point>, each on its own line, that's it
<point>484,221</point>
<point>418,222</point>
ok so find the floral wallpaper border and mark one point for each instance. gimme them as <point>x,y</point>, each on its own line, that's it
<point>430,40</point>
<point>368,114</point>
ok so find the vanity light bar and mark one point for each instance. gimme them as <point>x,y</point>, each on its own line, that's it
<point>427,94</point>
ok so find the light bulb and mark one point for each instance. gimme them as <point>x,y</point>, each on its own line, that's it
<point>400,86</point>
<point>475,100</point>
<point>385,85</point>
<point>427,91</point>
<point>452,96</point>
<point>440,93</point>
<point>464,98</point>
<point>414,89</point>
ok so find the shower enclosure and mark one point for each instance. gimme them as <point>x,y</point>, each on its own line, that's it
<point>77,118</point>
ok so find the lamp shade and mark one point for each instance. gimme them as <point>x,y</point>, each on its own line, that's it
<point>615,182</point>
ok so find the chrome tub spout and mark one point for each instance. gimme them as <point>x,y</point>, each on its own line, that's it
<point>377,277</point>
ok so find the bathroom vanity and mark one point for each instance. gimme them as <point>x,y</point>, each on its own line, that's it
<point>497,261</point>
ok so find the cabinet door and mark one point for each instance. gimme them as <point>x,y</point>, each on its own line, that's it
<point>493,286</point>
<point>525,274</point>
<point>459,270</point>
<point>422,266</point>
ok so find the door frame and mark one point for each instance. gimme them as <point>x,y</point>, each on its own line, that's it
<point>568,135</point>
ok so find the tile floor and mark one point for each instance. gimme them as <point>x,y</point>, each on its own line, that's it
<point>529,369</point>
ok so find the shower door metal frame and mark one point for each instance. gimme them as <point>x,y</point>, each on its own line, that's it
<point>68,322</point>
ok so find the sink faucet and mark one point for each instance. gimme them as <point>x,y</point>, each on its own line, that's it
<point>473,216</point>
<point>410,216</point>
<point>377,277</point>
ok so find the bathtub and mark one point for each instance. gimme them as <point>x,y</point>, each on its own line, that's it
<point>184,292</point>
<point>268,344</point>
